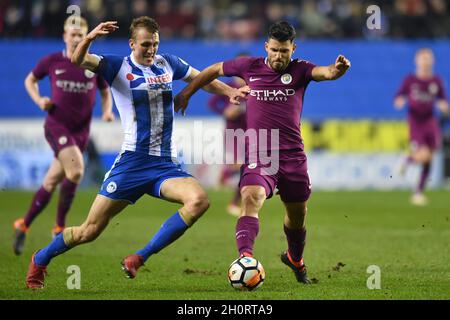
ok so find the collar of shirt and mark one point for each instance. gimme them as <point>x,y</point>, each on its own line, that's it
<point>140,66</point>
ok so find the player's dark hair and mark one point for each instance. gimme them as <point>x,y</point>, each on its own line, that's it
<point>282,31</point>
<point>242,54</point>
<point>144,22</point>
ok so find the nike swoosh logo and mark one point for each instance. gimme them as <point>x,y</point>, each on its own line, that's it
<point>254,79</point>
<point>59,71</point>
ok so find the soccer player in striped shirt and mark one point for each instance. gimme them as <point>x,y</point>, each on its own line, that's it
<point>141,85</point>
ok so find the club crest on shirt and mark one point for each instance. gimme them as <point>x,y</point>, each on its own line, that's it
<point>159,63</point>
<point>89,74</point>
<point>433,88</point>
<point>286,78</point>
<point>252,165</point>
<point>62,140</point>
<point>112,186</point>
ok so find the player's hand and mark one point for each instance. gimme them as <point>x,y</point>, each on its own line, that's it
<point>45,103</point>
<point>399,102</point>
<point>102,29</point>
<point>236,95</point>
<point>180,103</point>
<point>108,117</point>
<point>342,63</point>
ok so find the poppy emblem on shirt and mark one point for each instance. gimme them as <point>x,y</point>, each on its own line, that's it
<point>130,77</point>
<point>62,140</point>
<point>286,78</point>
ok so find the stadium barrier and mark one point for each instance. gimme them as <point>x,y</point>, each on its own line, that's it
<point>342,154</point>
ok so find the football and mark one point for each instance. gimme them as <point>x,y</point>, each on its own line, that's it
<point>246,273</point>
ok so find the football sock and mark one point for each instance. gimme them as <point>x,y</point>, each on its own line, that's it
<point>39,202</point>
<point>296,242</point>
<point>247,229</point>
<point>66,195</point>
<point>56,247</point>
<point>423,177</point>
<point>171,230</point>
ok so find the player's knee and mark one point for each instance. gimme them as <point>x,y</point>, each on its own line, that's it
<point>303,211</point>
<point>424,156</point>
<point>197,204</point>
<point>253,197</point>
<point>50,185</point>
<point>428,157</point>
<point>75,175</point>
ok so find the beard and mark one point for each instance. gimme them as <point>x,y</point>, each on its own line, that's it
<point>277,65</point>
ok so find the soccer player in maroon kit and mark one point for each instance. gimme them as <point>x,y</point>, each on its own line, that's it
<point>420,91</point>
<point>66,125</point>
<point>275,101</point>
<point>234,116</point>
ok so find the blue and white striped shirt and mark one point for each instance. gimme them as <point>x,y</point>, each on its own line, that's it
<point>144,99</point>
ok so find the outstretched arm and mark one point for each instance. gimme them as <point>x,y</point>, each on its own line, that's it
<point>81,57</point>
<point>333,71</point>
<point>202,79</point>
<point>215,86</point>
<point>206,79</point>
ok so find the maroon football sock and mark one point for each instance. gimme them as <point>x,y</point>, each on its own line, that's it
<point>423,177</point>
<point>247,229</point>
<point>40,200</point>
<point>66,195</point>
<point>296,242</point>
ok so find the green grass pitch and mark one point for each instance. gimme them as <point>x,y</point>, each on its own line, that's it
<point>347,232</point>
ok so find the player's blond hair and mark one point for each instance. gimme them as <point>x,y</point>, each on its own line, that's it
<point>148,23</point>
<point>75,21</point>
<point>424,50</point>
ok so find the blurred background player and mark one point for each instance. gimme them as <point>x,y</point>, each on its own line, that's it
<point>147,164</point>
<point>66,126</point>
<point>275,101</point>
<point>234,116</point>
<point>421,91</point>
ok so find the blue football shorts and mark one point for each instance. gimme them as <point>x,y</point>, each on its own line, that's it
<point>134,174</point>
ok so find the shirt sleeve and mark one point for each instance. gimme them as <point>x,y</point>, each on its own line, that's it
<point>308,67</point>
<point>441,94</point>
<point>109,67</point>
<point>181,69</point>
<point>101,83</point>
<point>237,67</point>
<point>404,88</point>
<point>42,68</point>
